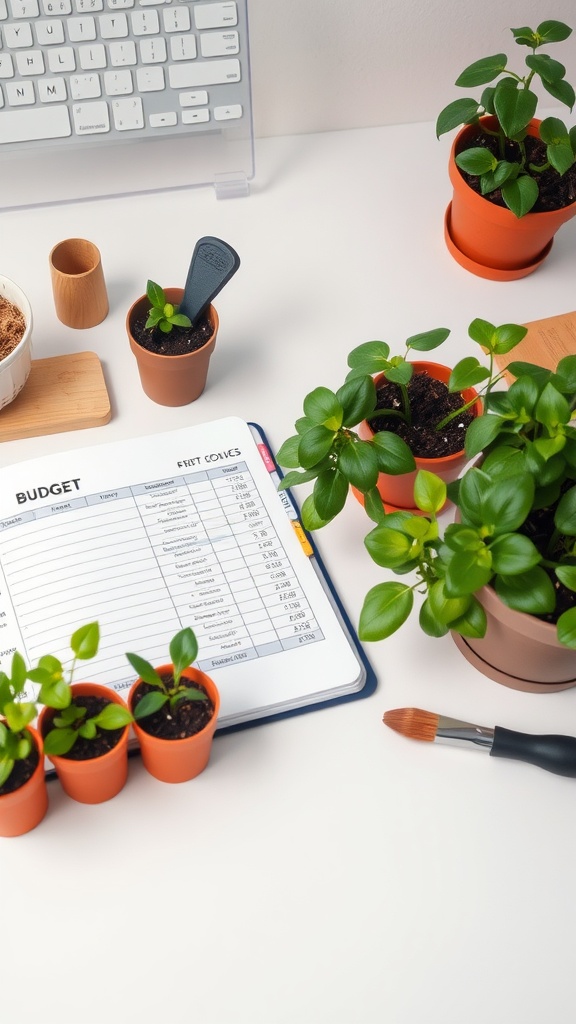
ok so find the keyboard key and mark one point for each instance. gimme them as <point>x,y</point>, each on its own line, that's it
<point>31,62</point>
<point>52,90</point>
<point>3,10</point>
<point>81,30</point>
<point>182,47</point>
<point>24,8</point>
<point>56,7</point>
<point>91,118</point>
<point>34,124</point>
<point>92,57</point>
<point>123,54</point>
<point>6,66</point>
<point>20,94</point>
<point>167,120</point>
<point>128,114</point>
<point>150,79</point>
<point>152,51</point>
<point>118,83</point>
<point>62,60</point>
<point>113,26</point>
<point>145,22</point>
<point>218,44</point>
<point>195,116</point>
<point>49,33</point>
<point>215,15</point>
<point>18,36</point>
<point>230,113</point>
<point>214,72</point>
<point>175,19</point>
<point>193,99</point>
<point>85,87</point>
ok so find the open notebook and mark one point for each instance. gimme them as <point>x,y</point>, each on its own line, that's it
<point>185,528</point>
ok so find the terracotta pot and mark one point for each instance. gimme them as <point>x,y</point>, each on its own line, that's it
<point>490,240</point>
<point>172,380</point>
<point>519,650</point>
<point>178,760</point>
<point>98,778</point>
<point>24,809</point>
<point>15,368</point>
<point>397,492</point>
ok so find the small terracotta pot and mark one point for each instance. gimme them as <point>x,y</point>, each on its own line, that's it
<point>98,778</point>
<point>15,368</point>
<point>172,380</point>
<point>24,809</point>
<point>397,492</point>
<point>519,650</point>
<point>178,760</point>
<point>489,240</point>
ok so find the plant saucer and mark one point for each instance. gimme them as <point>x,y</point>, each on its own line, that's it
<point>489,273</point>
<point>515,682</point>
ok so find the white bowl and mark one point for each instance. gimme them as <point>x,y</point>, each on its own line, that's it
<point>15,368</point>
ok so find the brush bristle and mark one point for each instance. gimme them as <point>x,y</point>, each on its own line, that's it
<point>412,722</point>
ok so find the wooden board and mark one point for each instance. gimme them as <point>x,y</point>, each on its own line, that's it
<point>546,343</point>
<point>62,393</point>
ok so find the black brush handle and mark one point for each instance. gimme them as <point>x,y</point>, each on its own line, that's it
<point>554,753</point>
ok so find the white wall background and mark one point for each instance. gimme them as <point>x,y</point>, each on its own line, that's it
<point>321,65</point>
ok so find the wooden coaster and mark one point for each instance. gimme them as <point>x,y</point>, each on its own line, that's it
<point>546,343</point>
<point>62,393</point>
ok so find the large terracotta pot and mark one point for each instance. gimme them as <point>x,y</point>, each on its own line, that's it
<point>15,367</point>
<point>489,240</point>
<point>519,650</point>
<point>97,778</point>
<point>24,808</point>
<point>397,492</point>
<point>172,380</point>
<point>177,760</point>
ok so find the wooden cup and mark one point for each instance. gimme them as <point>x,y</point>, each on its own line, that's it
<point>78,283</point>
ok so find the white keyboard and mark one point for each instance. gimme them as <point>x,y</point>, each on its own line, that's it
<point>109,70</point>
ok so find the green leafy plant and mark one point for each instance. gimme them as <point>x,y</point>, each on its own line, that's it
<point>16,741</point>
<point>327,450</point>
<point>163,314</point>
<point>516,524</point>
<point>513,102</point>
<point>56,692</point>
<point>183,652</point>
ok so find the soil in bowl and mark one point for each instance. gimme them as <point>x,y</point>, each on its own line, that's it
<point>430,402</point>
<point>105,739</point>
<point>555,191</point>
<point>187,718</point>
<point>22,771</point>
<point>178,342</point>
<point>12,327</point>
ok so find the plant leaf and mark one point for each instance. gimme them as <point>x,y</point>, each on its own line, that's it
<point>358,461</point>
<point>59,741</point>
<point>323,408</point>
<point>113,716</point>
<point>531,592</point>
<point>483,71</point>
<point>462,111</point>
<point>330,492</point>
<point>84,641</point>
<point>155,294</point>
<point>520,194</point>
<point>183,650</point>
<point>386,607</point>
<point>429,492</point>
<point>428,340</point>
<point>150,703</point>
<point>144,670</point>
<point>514,108</point>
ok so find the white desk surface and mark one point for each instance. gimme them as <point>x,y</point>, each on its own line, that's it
<point>323,870</point>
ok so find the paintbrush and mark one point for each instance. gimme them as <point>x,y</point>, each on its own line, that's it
<point>554,753</point>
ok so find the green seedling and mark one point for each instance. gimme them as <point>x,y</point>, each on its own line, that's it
<point>163,314</point>
<point>16,741</point>
<point>56,692</point>
<point>183,652</point>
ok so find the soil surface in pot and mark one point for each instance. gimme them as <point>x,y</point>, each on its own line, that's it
<point>430,402</point>
<point>180,340</point>
<point>22,771</point>
<point>105,739</point>
<point>555,191</point>
<point>185,719</point>
<point>12,327</point>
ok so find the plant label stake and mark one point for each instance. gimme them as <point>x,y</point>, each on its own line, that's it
<point>213,263</point>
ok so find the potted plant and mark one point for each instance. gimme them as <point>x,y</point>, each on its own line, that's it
<point>513,175</point>
<point>502,577</point>
<point>23,794</point>
<point>395,436</point>
<point>15,340</point>
<point>172,354</point>
<point>175,710</point>
<point>84,725</point>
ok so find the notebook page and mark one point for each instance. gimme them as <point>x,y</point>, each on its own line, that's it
<point>155,533</point>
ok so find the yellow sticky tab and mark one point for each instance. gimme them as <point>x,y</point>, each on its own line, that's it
<point>306,546</point>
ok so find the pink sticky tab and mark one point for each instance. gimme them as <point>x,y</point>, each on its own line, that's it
<point>266,458</point>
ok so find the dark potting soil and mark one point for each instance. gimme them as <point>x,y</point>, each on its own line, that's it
<point>104,740</point>
<point>430,402</point>
<point>178,342</point>
<point>22,771</point>
<point>555,190</point>
<point>185,719</point>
